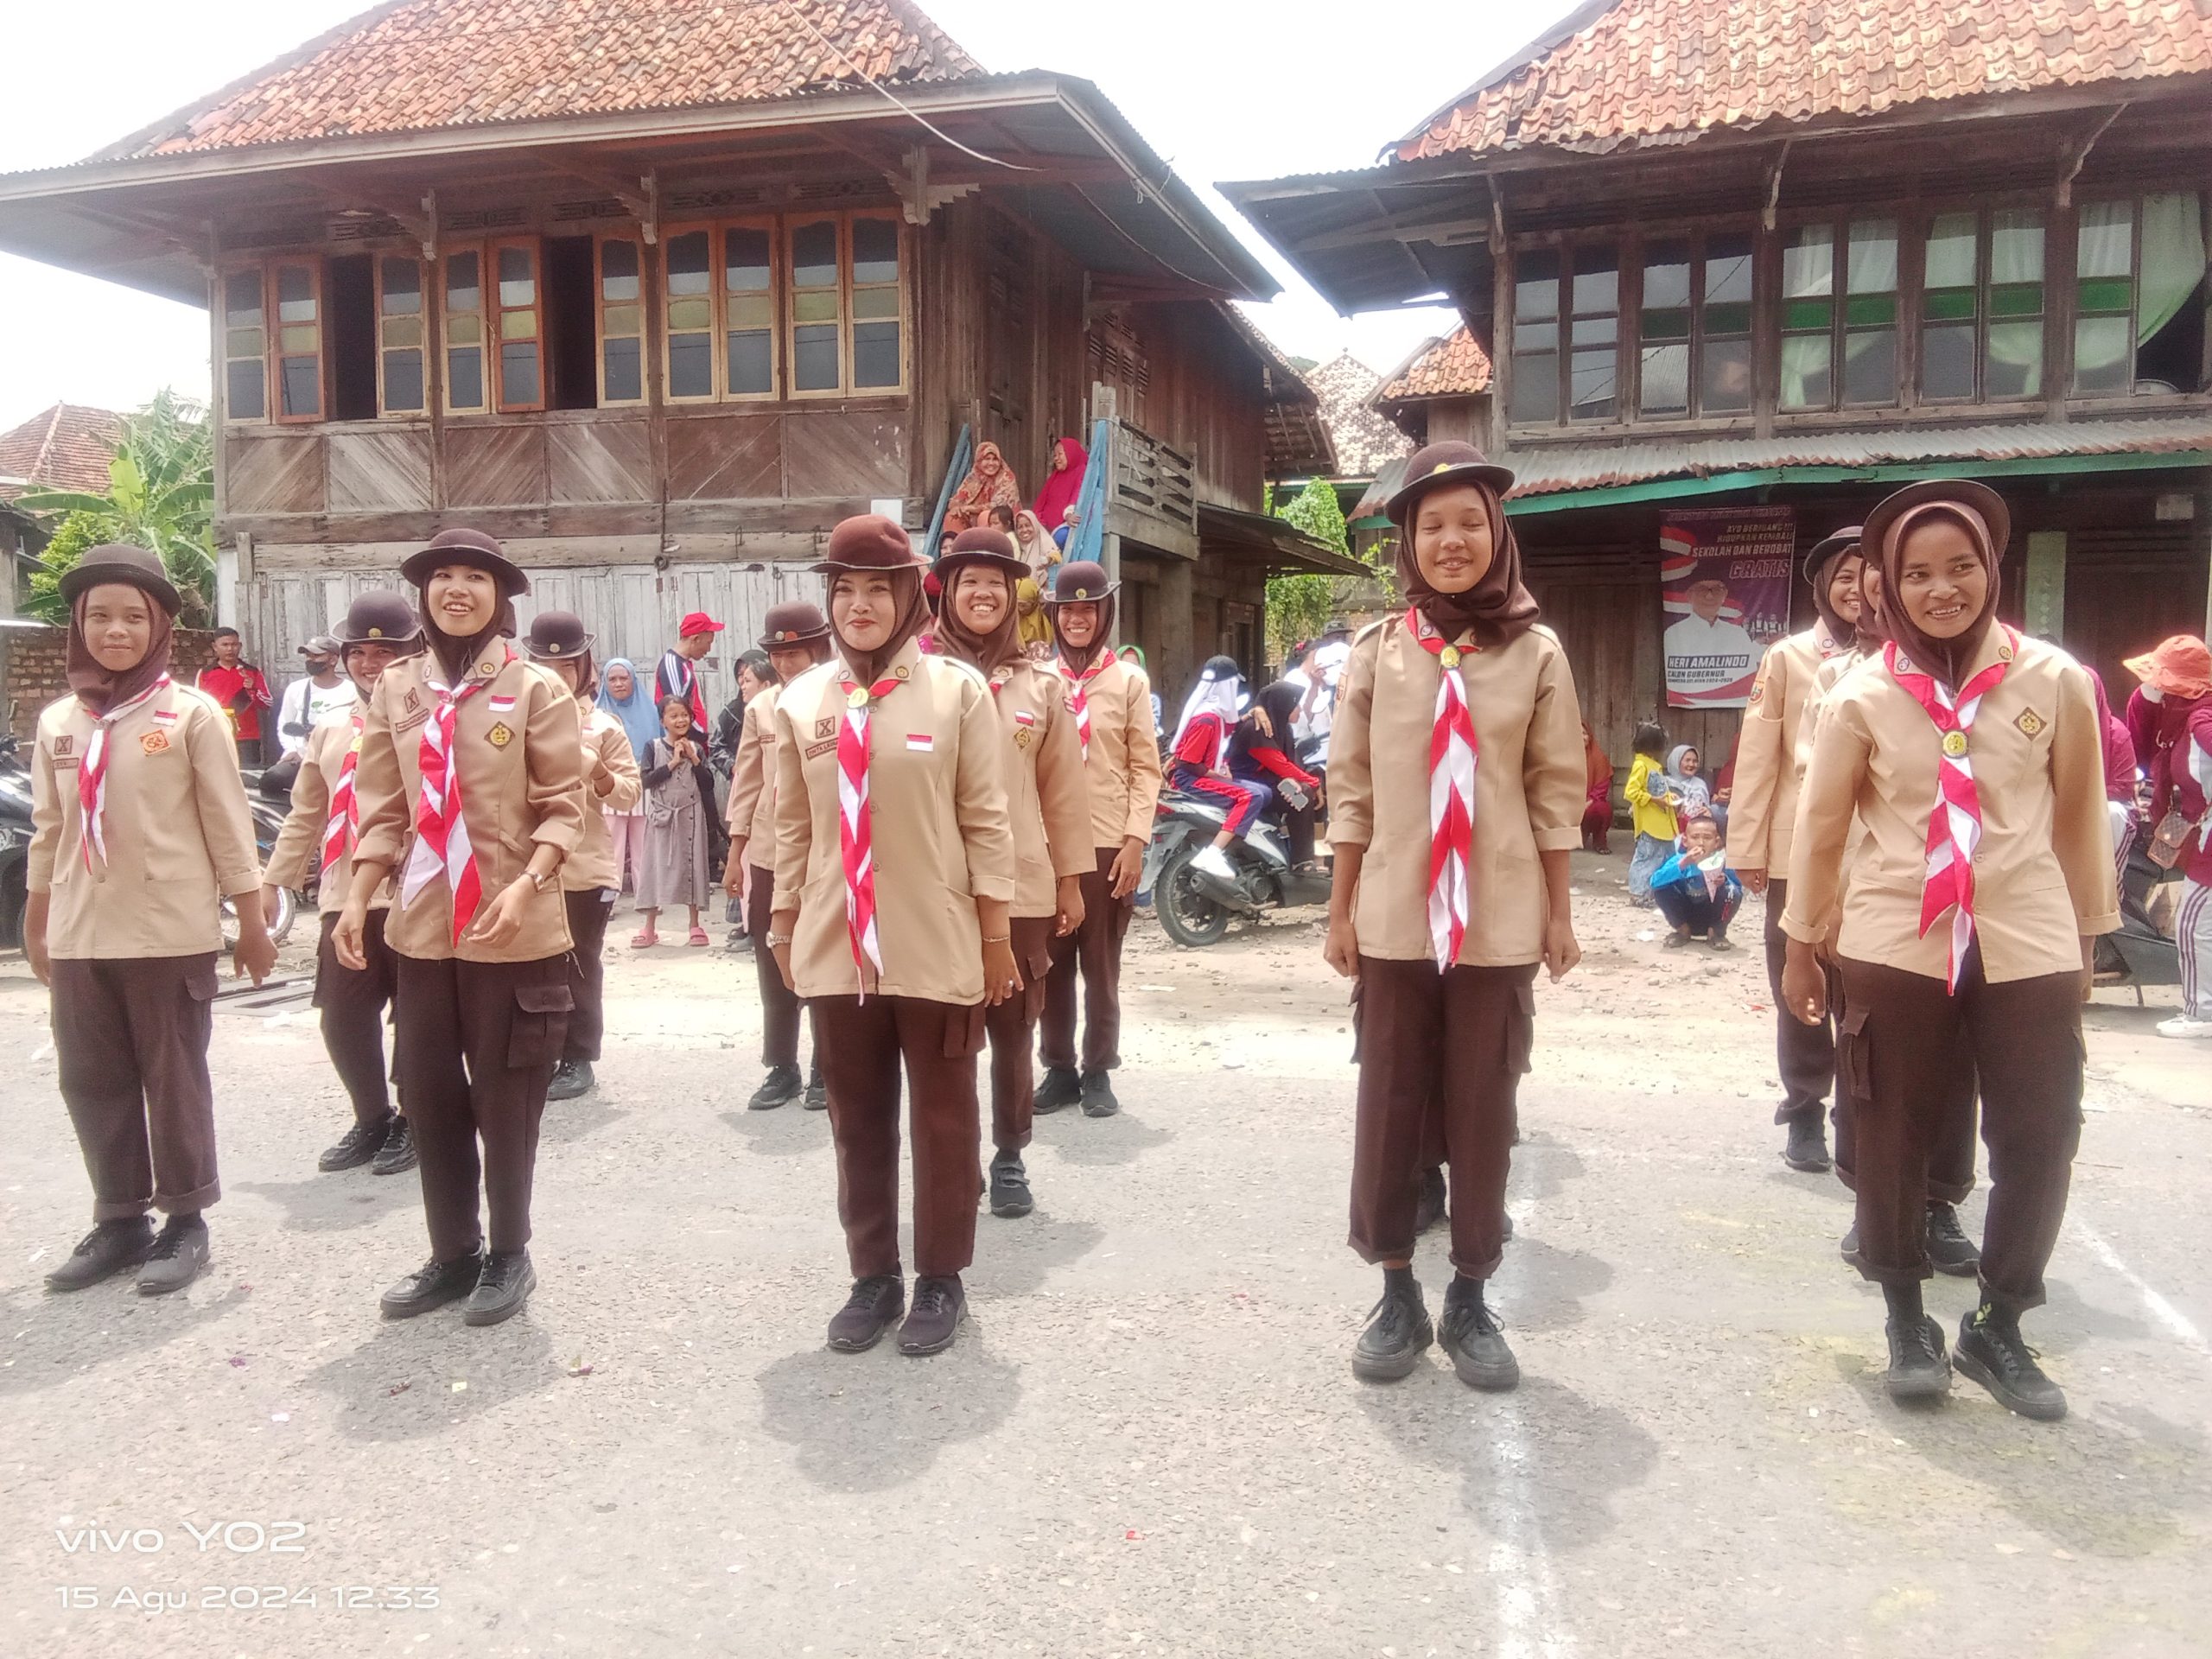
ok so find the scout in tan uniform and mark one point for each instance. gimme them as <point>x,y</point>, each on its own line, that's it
<point>894,871</point>
<point>319,835</point>
<point>589,878</point>
<point>1763,804</point>
<point>796,636</point>
<point>471,787</point>
<point>1456,794</point>
<point>140,829</point>
<point>1974,758</point>
<point>1112,703</point>
<point>1049,806</point>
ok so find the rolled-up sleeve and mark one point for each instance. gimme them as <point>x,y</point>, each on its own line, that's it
<point>979,797</point>
<point>794,815</point>
<point>1841,746</point>
<point>1554,767</point>
<point>2081,828</point>
<point>226,821</point>
<point>300,838</point>
<point>1351,758</point>
<point>554,758</point>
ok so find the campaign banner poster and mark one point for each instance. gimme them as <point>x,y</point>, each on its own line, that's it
<point>1724,581</point>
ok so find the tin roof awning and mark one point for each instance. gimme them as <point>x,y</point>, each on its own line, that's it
<point>1280,543</point>
<point>1593,474</point>
<point>1378,237</point>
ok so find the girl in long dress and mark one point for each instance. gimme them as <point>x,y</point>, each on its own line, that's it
<point>679,803</point>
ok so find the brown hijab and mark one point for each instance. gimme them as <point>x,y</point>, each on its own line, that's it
<point>1949,658</point>
<point>1498,608</point>
<point>1002,645</point>
<point>913,615</point>
<point>1846,635</point>
<point>100,689</point>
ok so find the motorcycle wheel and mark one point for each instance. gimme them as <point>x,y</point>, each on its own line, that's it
<point>287,909</point>
<point>1187,915</point>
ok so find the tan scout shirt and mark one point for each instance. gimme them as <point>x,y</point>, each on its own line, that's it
<point>2043,873</point>
<point>609,759</point>
<point>1530,776</point>
<point>753,782</point>
<point>1123,766</point>
<point>1047,796</point>
<point>938,826</point>
<point>298,850</point>
<point>1762,804</point>
<point>177,829</point>
<point>520,762</point>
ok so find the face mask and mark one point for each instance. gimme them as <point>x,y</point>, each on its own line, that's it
<point>2152,693</point>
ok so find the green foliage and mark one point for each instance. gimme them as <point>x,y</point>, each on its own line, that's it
<point>1315,511</point>
<point>1299,606</point>
<point>161,495</point>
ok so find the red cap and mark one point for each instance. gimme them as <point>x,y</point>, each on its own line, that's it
<point>2180,667</point>
<point>698,622</point>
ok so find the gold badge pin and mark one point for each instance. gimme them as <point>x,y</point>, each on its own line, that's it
<point>1083,592</point>
<point>1021,738</point>
<point>2030,722</point>
<point>1955,744</point>
<point>376,633</point>
<point>500,735</point>
<point>857,697</point>
<point>1450,657</point>
<point>2004,653</point>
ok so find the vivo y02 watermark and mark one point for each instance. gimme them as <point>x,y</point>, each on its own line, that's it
<point>220,1546</point>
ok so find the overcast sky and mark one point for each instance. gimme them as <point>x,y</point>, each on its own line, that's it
<point>1223,89</point>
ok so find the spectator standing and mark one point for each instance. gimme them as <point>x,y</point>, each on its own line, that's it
<point>679,814</point>
<point>1063,487</point>
<point>678,673</point>
<point>242,691</point>
<point>621,695</point>
<point>1651,811</point>
<point>1597,804</point>
<point>322,694</point>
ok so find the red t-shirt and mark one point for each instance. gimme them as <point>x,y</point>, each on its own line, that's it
<point>224,684</point>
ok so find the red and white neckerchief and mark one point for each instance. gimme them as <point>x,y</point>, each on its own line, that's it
<point>1954,822</point>
<point>343,830</point>
<point>442,843</point>
<point>1078,698</point>
<point>854,839</point>
<point>1452,753</point>
<point>91,774</point>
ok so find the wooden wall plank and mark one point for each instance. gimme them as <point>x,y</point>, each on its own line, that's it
<point>496,466</point>
<point>386,471</point>
<point>838,453</point>
<point>607,461</point>
<point>274,473</point>
<point>725,456</point>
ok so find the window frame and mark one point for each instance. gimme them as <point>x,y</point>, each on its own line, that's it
<point>447,254</point>
<point>424,346</point>
<point>669,233</point>
<point>273,304</point>
<point>600,304</point>
<point>844,221</point>
<point>259,268</point>
<point>777,360</point>
<point>1905,224</point>
<point>495,318</point>
<point>1700,238</point>
<point>1985,211</point>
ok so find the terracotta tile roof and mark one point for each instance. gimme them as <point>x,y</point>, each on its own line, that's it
<point>1454,366</point>
<point>1661,71</point>
<point>66,448</point>
<point>1363,440</point>
<point>422,64</point>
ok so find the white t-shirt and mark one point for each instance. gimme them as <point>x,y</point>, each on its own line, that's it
<point>1704,658</point>
<point>309,705</point>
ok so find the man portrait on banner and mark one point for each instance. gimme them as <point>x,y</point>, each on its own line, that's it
<point>1708,655</point>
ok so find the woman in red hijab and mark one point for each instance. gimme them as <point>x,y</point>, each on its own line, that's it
<point>1063,483</point>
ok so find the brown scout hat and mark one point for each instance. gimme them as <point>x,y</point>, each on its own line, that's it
<point>794,622</point>
<point>380,617</point>
<point>140,567</point>
<point>557,637</point>
<point>1081,583</point>
<point>869,542</point>
<point>1439,465</point>
<point>1830,547</point>
<point>471,547</point>
<point>1966,492</point>
<point>981,545</point>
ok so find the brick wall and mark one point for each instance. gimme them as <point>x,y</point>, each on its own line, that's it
<point>34,668</point>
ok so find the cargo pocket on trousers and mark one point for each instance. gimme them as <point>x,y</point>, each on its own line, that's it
<point>1854,1056</point>
<point>200,983</point>
<point>963,1030</point>
<point>1520,1030</point>
<point>540,1031</point>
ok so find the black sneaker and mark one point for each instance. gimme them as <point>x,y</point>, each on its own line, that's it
<point>1948,1247</point>
<point>356,1146</point>
<point>1918,1369</point>
<point>432,1285</point>
<point>1808,1146</point>
<point>1397,1332</point>
<point>398,1154</point>
<point>1469,1334</point>
<point>1061,1087</point>
<point>780,1087</point>
<point>105,1251</point>
<point>934,1320</point>
<point>872,1308</point>
<point>817,1094</point>
<point>501,1290</point>
<point>180,1251</point>
<point>1430,1210</point>
<point>1992,1353</point>
<point>1098,1099</point>
<point>571,1079</point>
<point>1010,1186</point>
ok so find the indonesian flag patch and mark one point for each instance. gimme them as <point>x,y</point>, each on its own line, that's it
<point>500,705</point>
<point>164,716</point>
<point>1023,717</point>
<point>921,742</point>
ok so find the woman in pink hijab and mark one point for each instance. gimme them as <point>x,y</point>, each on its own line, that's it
<point>1063,483</point>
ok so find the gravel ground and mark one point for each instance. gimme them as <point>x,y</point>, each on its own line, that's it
<point>1147,1440</point>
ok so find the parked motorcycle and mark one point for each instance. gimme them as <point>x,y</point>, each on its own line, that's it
<point>2141,953</point>
<point>1195,909</point>
<point>269,798</point>
<point>15,841</point>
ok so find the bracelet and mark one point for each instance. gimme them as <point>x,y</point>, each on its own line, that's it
<point>1001,938</point>
<point>775,939</point>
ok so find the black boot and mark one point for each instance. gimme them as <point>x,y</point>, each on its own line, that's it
<point>1993,1354</point>
<point>105,1251</point>
<point>398,1154</point>
<point>780,1087</point>
<point>1061,1087</point>
<point>872,1308</point>
<point>1098,1099</point>
<point>501,1289</point>
<point>1397,1332</point>
<point>356,1146</point>
<point>1948,1247</point>
<point>1809,1145</point>
<point>1010,1186</point>
<point>1469,1334</point>
<point>179,1253</point>
<point>432,1285</point>
<point>571,1079</point>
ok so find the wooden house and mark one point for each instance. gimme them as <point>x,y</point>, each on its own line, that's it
<point>1721,253</point>
<point>657,294</point>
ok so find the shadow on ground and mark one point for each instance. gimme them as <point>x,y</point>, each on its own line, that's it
<point>54,1339</point>
<point>870,1422</point>
<point>399,1385</point>
<point>340,1201</point>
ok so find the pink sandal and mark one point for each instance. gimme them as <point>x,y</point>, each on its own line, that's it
<point>699,936</point>
<point>646,939</point>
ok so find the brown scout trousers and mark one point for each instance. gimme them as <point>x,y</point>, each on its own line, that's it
<point>862,1042</point>
<point>586,973</point>
<point>131,1039</point>
<point>1096,947</point>
<point>352,1006</point>
<point>779,1002</point>
<point>2025,1039</point>
<point>1806,1054</point>
<point>477,1041</point>
<point>1461,1038</point>
<point>1011,1026</point>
